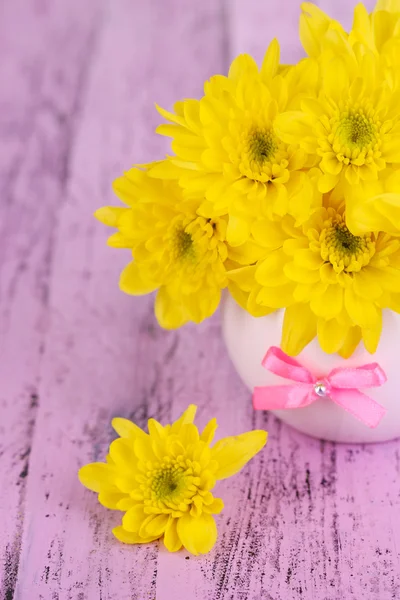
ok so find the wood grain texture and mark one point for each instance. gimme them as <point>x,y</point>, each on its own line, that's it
<point>305,520</point>
<point>39,97</point>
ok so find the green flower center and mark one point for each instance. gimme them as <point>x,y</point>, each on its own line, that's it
<point>167,482</point>
<point>356,130</point>
<point>262,146</point>
<point>345,251</point>
<point>182,245</point>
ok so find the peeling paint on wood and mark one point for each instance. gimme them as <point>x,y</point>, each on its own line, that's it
<point>306,519</point>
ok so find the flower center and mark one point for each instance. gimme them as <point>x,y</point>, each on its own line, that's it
<point>262,146</point>
<point>356,130</point>
<point>356,136</point>
<point>182,244</point>
<point>343,250</point>
<point>167,482</point>
<point>261,155</point>
<point>170,485</point>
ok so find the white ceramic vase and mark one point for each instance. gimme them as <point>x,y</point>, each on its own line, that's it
<point>248,338</point>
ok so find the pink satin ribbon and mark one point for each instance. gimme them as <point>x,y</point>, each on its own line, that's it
<point>341,386</point>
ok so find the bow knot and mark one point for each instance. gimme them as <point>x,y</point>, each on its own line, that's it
<point>341,386</point>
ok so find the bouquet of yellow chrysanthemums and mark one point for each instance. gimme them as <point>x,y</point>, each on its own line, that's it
<point>283,186</point>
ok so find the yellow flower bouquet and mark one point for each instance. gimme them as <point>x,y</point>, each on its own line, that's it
<point>283,187</point>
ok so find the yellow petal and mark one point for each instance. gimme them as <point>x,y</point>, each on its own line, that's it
<point>391,6</point>
<point>170,312</point>
<point>118,240</point>
<point>97,477</point>
<point>301,275</point>
<point>314,26</point>
<point>243,277</point>
<point>351,342</point>
<point>128,537</point>
<point>243,65</point>
<point>111,499</point>
<point>363,312</point>
<point>127,429</point>
<point>121,451</point>
<point>197,534</point>
<point>327,182</point>
<point>154,525</point>
<point>207,435</point>
<point>143,449</point>
<point>186,417</point>
<point>379,213</point>
<point>331,335</point>
<point>133,518</point>
<point>270,270</point>
<point>293,126</point>
<point>171,538</point>
<point>328,304</point>
<point>270,63</point>
<point>299,328</point>
<point>391,149</point>
<point>276,297</point>
<point>109,215</point>
<point>238,231</point>
<point>215,507</point>
<point>330,164</point>
<point>240,297</point>
<point>232,453</point>
<point>156,430</point>
<point>133,281</point>
<point>336,81</point>
<point>372,336</point>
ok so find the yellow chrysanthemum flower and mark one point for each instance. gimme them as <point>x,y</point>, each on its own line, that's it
<point>226,147</point>
<point>175,250</point>
<point>163,480</point>
<point>332,283</point>
<point>353,125</point>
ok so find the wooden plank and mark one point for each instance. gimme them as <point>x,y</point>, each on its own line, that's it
<point>104,354</point>
<point>306,519</point>
<point>41,69</point>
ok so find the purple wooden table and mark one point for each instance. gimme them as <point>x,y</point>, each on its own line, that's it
<point>306,519</point>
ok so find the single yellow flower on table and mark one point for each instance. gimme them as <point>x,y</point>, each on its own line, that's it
<point>163,480</point>
<point>226,147</point>
<point>175,250</point>
<point>331,283</point>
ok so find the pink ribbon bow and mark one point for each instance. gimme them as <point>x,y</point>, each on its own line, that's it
<point>341,386</point>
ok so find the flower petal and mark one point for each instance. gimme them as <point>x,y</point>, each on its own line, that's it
<point>299,328</point>
<point>132,281</point>
<point>351,342</point>
<point>270,62</point>
<point>216,506</point>
<point>197,534</point>
<point>232,453</point>
<point>171,538</point>
<point>207,435</point>
<point>154,525</point>
<point>331,335</point>
<point>128,537</point>
<point>111,499</point>
<point>134,517</point>
<point>186,417</point>
<point>293,126</point>
<point>127,429</point>
<point>97,477</point>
